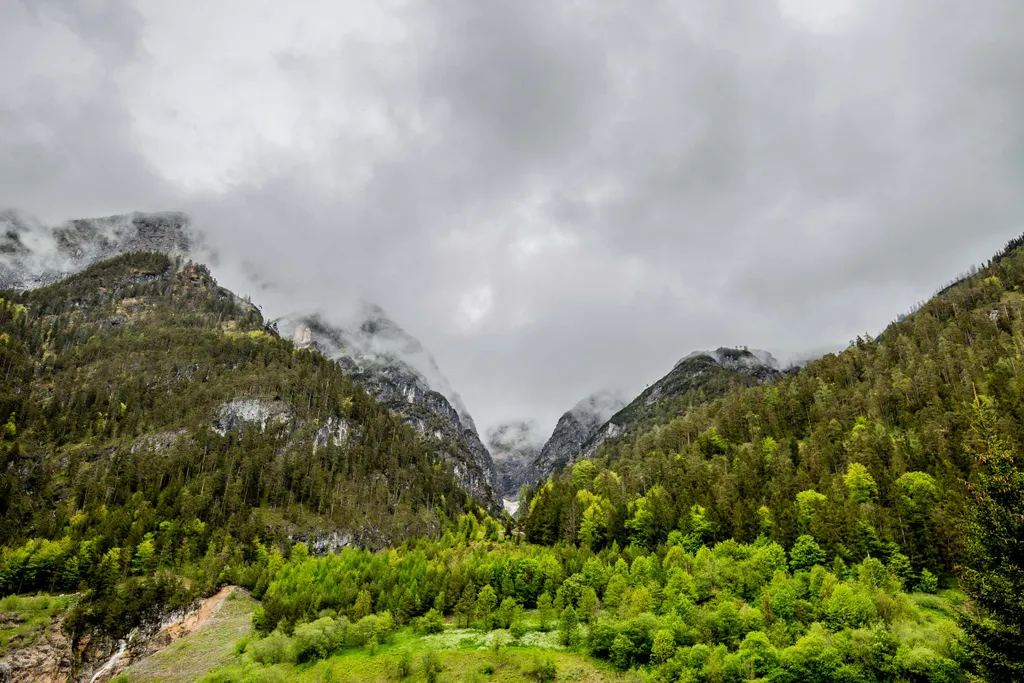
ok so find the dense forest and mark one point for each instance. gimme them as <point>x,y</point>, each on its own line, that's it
<point>152,420</point>
<point>858,520</point>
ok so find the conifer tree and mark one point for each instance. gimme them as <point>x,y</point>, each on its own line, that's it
<point>993,574</point>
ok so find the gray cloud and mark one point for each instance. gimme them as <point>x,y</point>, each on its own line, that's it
<point>555,197</point>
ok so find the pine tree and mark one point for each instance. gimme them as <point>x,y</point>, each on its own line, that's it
<point>993,574</point>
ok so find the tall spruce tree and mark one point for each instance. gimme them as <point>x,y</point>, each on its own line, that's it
<point>993,573</point>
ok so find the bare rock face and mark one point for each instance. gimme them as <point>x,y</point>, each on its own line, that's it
<point>47,660</point>
<point>33,255</point>
<point>251,411</point>
<point>392,366</point>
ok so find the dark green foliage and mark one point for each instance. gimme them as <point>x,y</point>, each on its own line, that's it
<point>111,466</point>
<point>806,553</point>
<point>866,451</point>
<point>993,573</point>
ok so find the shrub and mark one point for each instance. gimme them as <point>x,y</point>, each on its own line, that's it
<point>664,646</point>
<point>431,665</point>
<point>544,670</point>
<point>318,640</point>
<point>517,630</point>
<point>928,583</point>
<point>431,622</point>
<point>622,651</point>
<point>403,666</point>
<point>273,649</point>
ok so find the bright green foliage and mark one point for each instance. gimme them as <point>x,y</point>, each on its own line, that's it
<point>430,664</point>
<point>431,622</point>
<point>806,553</point>
<point>928,583</point>
<point>622,651</point>
<point>860,484</point>
<point>568,626</point>
<point>664,646</point>
<point>730,607</point>
<point>486,601</point>
<point>809,503</point>
<point>649,523</point>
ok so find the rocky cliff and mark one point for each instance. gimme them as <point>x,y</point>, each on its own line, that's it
<point>574,429</point>
<point>33,255</point>
<point>395,368</point>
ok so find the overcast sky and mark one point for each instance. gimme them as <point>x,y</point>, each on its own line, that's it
<point>555,196</point>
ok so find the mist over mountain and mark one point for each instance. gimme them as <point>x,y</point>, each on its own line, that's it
<point>395,368</point>
<point>33,255</point>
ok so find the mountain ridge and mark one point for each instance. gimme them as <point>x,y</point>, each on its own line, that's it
<point>389,363</point>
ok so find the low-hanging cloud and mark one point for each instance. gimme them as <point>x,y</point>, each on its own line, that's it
<point>555,197</point>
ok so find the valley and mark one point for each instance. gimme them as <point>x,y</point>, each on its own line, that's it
<point>858,518</point>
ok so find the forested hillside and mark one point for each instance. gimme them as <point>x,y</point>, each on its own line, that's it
<point>153,419</point>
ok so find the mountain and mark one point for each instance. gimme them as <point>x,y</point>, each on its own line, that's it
<point>141,373</point>
<point>858,518</point>
<point>604,418</point>
<point>574,429</point>
<point>513,446</point>
<point>695,379</point>
<point>388,362</point>
<point>394,367</point>
<point>872,452</point>
<point>33,255</point>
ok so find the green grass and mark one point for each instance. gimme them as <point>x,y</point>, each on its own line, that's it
<point>193,656</point>
<point>511,665</point>
<point>465,655</point>
<point>24,619</point>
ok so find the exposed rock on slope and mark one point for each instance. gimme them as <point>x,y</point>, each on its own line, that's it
<point>33,255</point>
<point>575,428</point>
<point>394,368</point>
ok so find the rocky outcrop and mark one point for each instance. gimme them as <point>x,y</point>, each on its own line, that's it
<point>53,658</point>
<point>33,255</point>
<point>393,367</point>
<point>48,659</point>
<point>251,411</point>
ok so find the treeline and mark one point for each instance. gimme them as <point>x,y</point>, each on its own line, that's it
<point>728,613</point>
